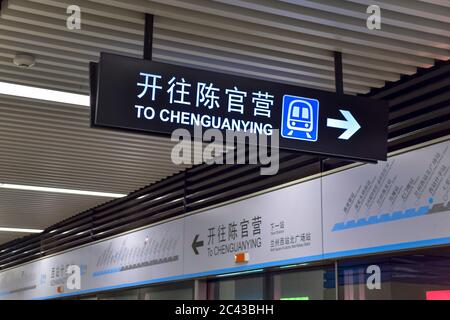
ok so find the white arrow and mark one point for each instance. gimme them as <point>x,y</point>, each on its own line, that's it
<point>349,124</point>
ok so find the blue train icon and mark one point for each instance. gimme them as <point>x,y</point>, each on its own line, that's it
<point>300,118</point>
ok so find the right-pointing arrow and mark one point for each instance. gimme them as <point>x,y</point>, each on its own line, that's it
<point>349,124</point>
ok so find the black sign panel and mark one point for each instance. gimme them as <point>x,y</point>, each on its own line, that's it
<point>159,98</point>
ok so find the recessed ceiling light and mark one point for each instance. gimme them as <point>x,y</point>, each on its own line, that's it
<point>59,190</point>
<point>21,230</point>
<point>43,94</point>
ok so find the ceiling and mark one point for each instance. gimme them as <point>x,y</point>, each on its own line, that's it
<point>290,41</point>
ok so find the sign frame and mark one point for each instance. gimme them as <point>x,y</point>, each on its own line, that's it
<point>341,132</point>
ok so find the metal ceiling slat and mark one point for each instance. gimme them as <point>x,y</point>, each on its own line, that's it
<point>44,75</point>
<point>35,195</point>
<point>438,84</point>
<point>253,72</point>
<point>41,83</point>
<point>444,3</point>
<point>92,19</point>
<point>319,64</point>
<point>45,68</point>
<point>56,204</point>
<point>98,10</point>
<point>421,79</point>
<point>222,13</point>
<point>357,26</point>
<point>122,172</point>
<point>52,43</point>
<point>52,62</point>
<point>134,38</point>
<point>66,141</point>
<point>42,50</point>
<point>68,181</point>
<point>423,106</point>
<point>78,38</point>
<point>301,50</point>
<point>253,29</point>
<point>76,172</point>
<point>53,106</point>
<point>236,59</point>
<point>391,18</point>
<point>27,119</point>
<point>113,146</point>
<point>143,168</point>
<point>65,184</point>
<point>86,131</point>
<point>413,8</point>
<point>250,69</point>
<point>70,148</point>
<point>67,155</point>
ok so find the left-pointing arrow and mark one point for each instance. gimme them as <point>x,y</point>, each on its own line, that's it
<point>349,124</point>
<point>196,244</point>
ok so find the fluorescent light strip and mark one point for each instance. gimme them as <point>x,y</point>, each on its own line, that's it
<point>5,229</point>
<point>238,273</point>
<point>58,190</point>
<point>43,94</point>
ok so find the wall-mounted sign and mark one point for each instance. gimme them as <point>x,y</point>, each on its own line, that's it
<point>256,232</point>
<point>399,204</point>
<point>158,98</point>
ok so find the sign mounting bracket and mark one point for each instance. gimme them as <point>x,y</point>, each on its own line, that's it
<point>148,36</point>
<point>338,75</point>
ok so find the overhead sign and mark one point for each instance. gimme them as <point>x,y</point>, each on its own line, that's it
<point>158,98</point>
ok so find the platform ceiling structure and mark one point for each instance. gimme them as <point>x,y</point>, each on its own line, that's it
<point>292,41</point>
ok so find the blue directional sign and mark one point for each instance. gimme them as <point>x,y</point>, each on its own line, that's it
<point>300,118</point>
